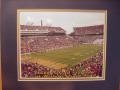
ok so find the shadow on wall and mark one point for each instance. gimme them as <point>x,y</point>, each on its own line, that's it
<point>0,78</point>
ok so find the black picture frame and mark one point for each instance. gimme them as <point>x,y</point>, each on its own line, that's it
<point>9,44</point>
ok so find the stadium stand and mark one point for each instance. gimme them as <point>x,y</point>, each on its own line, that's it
<point>44,39</point>
<point>27,30</point>
<point>88,34</point>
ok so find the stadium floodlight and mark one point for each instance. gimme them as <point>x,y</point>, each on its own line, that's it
<point>30,21</point>
<point>49,22</point>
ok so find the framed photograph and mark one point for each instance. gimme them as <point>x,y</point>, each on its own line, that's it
<point>61,44</point>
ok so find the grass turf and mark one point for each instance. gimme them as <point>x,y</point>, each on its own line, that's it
<point>67,56</point>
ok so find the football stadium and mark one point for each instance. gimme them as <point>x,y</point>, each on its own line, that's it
<point>48,52</point>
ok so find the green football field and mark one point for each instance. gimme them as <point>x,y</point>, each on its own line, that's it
<point>63,57</point>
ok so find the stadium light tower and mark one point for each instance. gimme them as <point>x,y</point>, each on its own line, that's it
<point>29,21</point>
<point>41,22</point>
<point>49,22</point>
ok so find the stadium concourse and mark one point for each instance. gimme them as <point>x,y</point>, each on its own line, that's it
<point>44,39</point>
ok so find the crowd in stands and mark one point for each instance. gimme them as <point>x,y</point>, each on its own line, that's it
<point>46,43</point>
<point>88,38</point>
<point>88,34</point>
<point>88,30</point>
<point>48,29</point>
<point>91,67</point>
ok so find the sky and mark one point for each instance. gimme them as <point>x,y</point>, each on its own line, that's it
<point>66,20</point>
